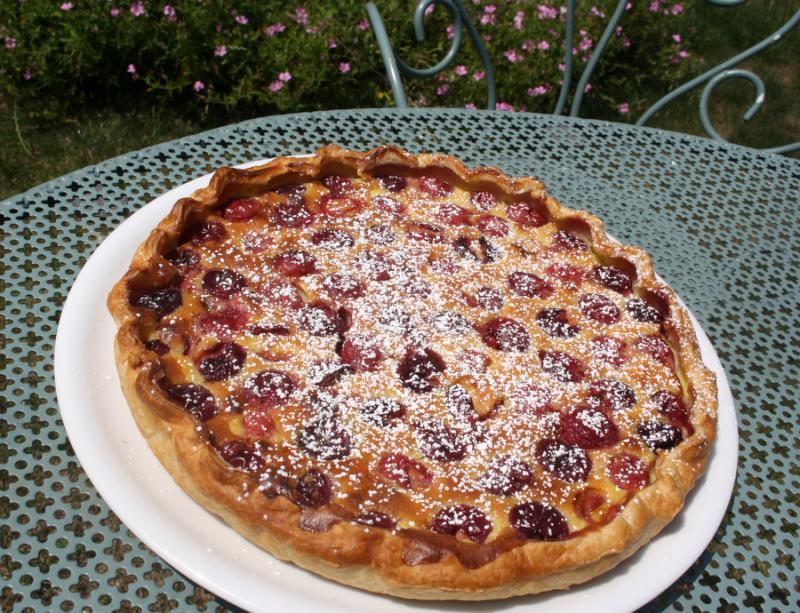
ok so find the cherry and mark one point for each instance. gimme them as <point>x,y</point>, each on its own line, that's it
<point>156,346</point>
<point>223,283</point>
<point>419,288</point>
<point>434,186</point>
<point>256,242</point>
<point>611,395</point>
<point>337,184</point>
<point>600,308</point>
<point>609,350</point>
<point>381,411</point>
<point>389,205</point>
<point>529,285</point>
<point>380,235</point>
<point>657,348</point>
<point>671,407</point>
<point>506,476</point>
<point>257,423</point>
<point>325,374</point>
<point>567,274</point>
<point>613,278</point>
<point>404,471</point>
<point>628,472</point>
<point>325,439</point>
<point>361,354</point>
<point>526,213</point>
<point>314,489</point>
<point>162,301</point>
<point>340,286</point>
<point>340,206</point>
<point>439,442</point>
<point>222,361</point>
<point>531,398</point>
<point>588,428</point>
<point>659,436</point>
<point>393,183</point>
<point>538,522</point>
<point>396,319</point>
<point>320,319</point>
<point>282,293</point>
<point>556,323</point>
<point>290,189</point>
<point>483,201</point>
<point>420,231</point>
<point>271,388</point>
<point>295,263</point>
<point>641,311</point>
<point>223,323</point>
<point>277,330</point>
<point>564,241</point>
<point>472,361</point>
<point>563,460</point>
<point>505,334</point>
<point>419,369</point>
<point>184,260</point>
<point>492,225</point>
<point>561,366</point>
<point>196,399</point>
<point>463,518</point>
<point>452,322</point>
<point>373,265</point>
<point>376,520</point>
<point>332,239</point>
<point>242,455</point>
<point>453,215</point>
<point>204,232</point>
<point>459,404</point>
<point>242,209</point>
<point>292,214</point>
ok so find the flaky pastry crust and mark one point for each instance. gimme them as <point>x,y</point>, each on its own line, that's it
<point>373,559</point>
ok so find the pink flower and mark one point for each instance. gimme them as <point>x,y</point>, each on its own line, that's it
<point>491,8</point>
<point>275,28</point>
<point>198,86</point>
<point>429,9</point>
<point>654,6</point>
<point>629,6</point>
<point>585,44</point>
<point>487,19</point>
<point>66,6</point>
<point>332,43</point>
<point>596,12</point>
<point>218,28</point>
<point>503,106</point>
<point>543,45</point>
<point>540,90</point>
<point>276,86</point>
<point>241,20</point>
<point>676,38</point>
<point>442,90</point>
<point>169,11</point>
<point>285,77</point>
<point>624,108</point>
<point>131,69</point>
<point>588,88</point>
<point>461,70</point>
<point>487,37</point>
<point>11,42</point>
<point>114,11</point>
<point>451,31</point>
<point>478,75</point>
<point>363,25</point>
<point>527,45</point>
<point>618,31</point>
<point>220,51</point>
<point>512,55</point>
<point>546,12</point>
<point>27,75</point>
<point>683,54</point>
<point>137,9</point>
<point>562,67</point>
<point>301,15</point>
<point>626,43</point>
<point>518,17</point>
<point>677,9</point>
<point>344,67</point>
<point>470,105</point>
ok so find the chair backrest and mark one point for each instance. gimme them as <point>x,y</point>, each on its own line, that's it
<point>395,66</point>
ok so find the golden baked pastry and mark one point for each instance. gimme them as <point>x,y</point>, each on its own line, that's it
<point>412,377</point>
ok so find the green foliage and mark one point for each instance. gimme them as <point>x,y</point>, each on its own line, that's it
<point>218,56</point>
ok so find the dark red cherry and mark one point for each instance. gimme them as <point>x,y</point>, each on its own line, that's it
<point>381,411</point>
<point>222,361</point>
<point>184,260</point>
<point>451,322</point>
<point>258,423</point>
<point>156,346</point>
<point>561,366</point>
<point>272,388</point>
<point>628,472</point>
<point>529,285</point>
<point>563,460</point>
<point>659,436</point>
<point>564,241</point>
<point>223,283</point>
<point>588,428</point>
<point>404,471</point>
<point>337,184</point>
<point>282,293</point>
<point>428,232</point>
<point>222,324</point>
<point>290,189</point>
<point>538,522</point>
<point>527,213</point>
<point>277,330</point>
<point>671,407</point>
<point>609,350</point>
<point>492,225</point>
<point>419,369</point>
<point>292,214</point>
<point>373,265</point>
<point>600,308</point>
<point>611,395</point>
<point>506,476</point>
<point>389,205</point>
<point>556,323</point>
<point>434,186</point>
<point>641,311</point>
<point>162,301</point>
<point>483,201</point>
<point>320,319</point>
<point>196,399</point>
<point>459,404</point>
<point>439,442</point>
<point>361,354</point>
<point>204,233</point>
<point>332,239</point>
<point>393,183</point>
<point>395,319</point>
<point>657,348</point>
<point>376,520</point>
<point>463,518</point>
<point>242,209</point>
<point>380,235</point>
<point>242,455</point>
<point>452,215</point>
<point>567,274</point>
<point>314,489</point>
<point>488,299</point>
<point>340,286</point>
<point>505,334</point>
<point>295,263</point>
<point>325,439</point>
<point>613,278</point>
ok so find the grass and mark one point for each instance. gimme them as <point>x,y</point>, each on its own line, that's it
<point>32,152</point>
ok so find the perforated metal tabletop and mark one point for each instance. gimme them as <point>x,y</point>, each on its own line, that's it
<point>721,222</point>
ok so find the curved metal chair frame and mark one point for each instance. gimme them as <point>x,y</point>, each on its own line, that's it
<point>713,77</point>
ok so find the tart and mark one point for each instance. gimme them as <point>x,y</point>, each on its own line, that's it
<point>413,377</point>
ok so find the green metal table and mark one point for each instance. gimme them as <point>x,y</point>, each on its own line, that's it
<point>721,222</point>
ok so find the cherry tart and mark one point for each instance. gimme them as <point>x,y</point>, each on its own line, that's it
<point>412,377</point>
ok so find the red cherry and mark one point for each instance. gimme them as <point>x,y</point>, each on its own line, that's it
<point>222,361</point>
<point>292,214</point>
<point>373,265</point>
<point>204,233</point>
<point>600,308</point>
<point>382,411</point>
<point>463,518</point>
<point>184,260</point>
<point>334,206</point>
<point>506,476</point>
<point>538,522</point>
<point>295,263</point>
<point>641,311</point>
<point>157,347</point>
<point>671,407</point>
<point>257,423</point>
<point>270,388</point>
<point>222,324</point>
<point>451,322</point>
<point>628,472</point>
<point>565,461</point>
<point>419,369</point>
<point>459,404</point>
<point>161,301</point>
<point>332,239</point>
<point>427,232</point>
<point>529,285</point>
<point>337,184</point>
<point>483,201</point>
<point>505,334</point>
<point>613,278</point>
<point>588,428</point>
<point>223,283</point>
<point>611,395</point>
<point>491,225</point>
<point>561,366</point>
<point>290,189</point>
<point>389,205</point>
<point>242,455</point>
<point>380,235</point>
<point>433,186</point>
<point>609,350</point>
<point>532,399</point>
<point>320,319</point>
<point>564,241</point>
<point>527,213</point>
<point>325,439</point>
<point>568,275</point>
<point>282,293</point>
<point>439,442</point>
<point>657,348</point>
<point>361,354</point>
<point>277,330</point>
<point>487,298</point>
<point>404,471</point>
<point>659,436</point>
<point>196,399</point>
<point>393,183</point>
<point>472,361</point>
<point>243,209</point>
<point>256,242</point>
<point>453,215</point>
<point>341,286</point>
<point>314,489</point>
<point>556,323</point>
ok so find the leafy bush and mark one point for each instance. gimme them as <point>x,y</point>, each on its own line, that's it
<point>253,56</point>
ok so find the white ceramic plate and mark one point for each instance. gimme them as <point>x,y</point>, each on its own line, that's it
<point>198,544</point>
